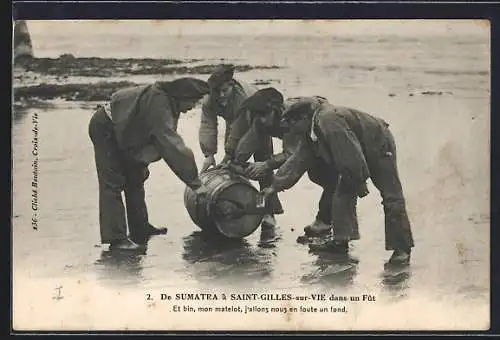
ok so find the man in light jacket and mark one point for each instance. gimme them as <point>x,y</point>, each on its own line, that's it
<point>135,128</point>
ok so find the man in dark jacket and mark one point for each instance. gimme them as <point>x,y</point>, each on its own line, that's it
<point>353,146</point>
<point>226,96</point>
<point>137,127</point>
<point>266,106</point>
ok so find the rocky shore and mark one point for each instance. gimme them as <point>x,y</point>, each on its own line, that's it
<point>71,92</point>
<point>67,66</point>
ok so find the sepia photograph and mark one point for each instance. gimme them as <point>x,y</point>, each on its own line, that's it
<point>250,175</point>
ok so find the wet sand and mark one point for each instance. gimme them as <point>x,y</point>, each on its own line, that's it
<point>443,157</point>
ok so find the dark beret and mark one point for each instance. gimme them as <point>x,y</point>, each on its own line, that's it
<point>263,100</point>
<point>222,74</point>
<point>186,87</point>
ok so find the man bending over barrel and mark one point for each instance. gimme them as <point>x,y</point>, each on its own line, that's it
<point>354,146</point>
<point>226,96</point>
<point>266,106</point>
<point>137,127</point>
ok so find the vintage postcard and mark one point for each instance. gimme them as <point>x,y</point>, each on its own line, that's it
<point>243,175</point>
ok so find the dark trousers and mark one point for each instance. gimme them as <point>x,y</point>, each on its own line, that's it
<point>385,177</point>
<point>117,174</point>
<point>338,201</point>
<point>263,153</point>
<point>337,205</point>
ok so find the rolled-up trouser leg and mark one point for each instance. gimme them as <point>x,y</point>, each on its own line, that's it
<point>264,152</point>
<point>111,178</point>
<point>344,216</point>
<point>384,173</point>
<point>135,198</point>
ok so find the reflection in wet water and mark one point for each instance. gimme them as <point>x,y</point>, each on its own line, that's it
<point>395,280</point>
<point>20,110</point>
<point>216,257</point>
<point>119,268</point>
<point>18,113</point>
<point>332,270</point>
<point>269,237</point>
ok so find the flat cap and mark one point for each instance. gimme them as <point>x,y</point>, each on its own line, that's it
<point>300,106</point>
<point>222,74</point>
<point>263,100</point>
<point>186,87</point>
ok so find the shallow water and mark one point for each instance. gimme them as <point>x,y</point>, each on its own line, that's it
<point>443,156</point>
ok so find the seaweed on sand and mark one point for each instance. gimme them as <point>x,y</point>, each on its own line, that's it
<point>68,65</point>
<point>72,92</point>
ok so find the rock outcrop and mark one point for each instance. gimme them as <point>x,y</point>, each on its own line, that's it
<point>23,49</point>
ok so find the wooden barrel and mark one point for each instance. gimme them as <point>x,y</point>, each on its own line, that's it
<point>229,208</point>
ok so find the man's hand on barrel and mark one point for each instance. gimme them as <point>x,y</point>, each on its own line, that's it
<point>257,170</point>
<point>266,192</point>
<point>224,163</point>
<point>226,160</point>
<point>201,191</point>
<point>208,162</point>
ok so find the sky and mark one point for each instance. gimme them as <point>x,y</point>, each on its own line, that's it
<point>263,27</point>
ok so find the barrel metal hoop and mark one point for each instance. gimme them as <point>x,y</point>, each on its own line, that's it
<point>218,190</point>
<point>215,196</point>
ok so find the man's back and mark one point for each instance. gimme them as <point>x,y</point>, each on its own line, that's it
<point>368,129</point>
<point>137,111</point>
